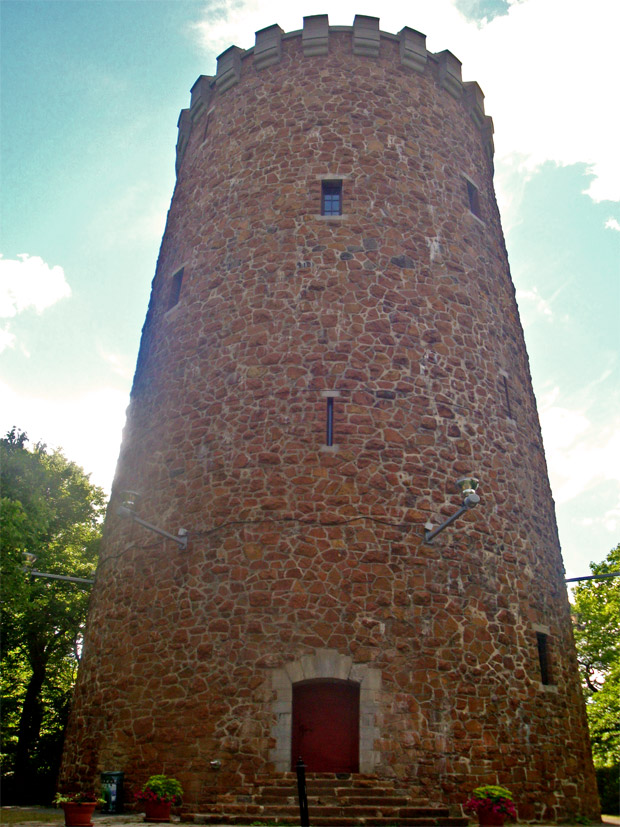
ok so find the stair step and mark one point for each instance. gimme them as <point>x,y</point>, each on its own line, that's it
<point>330,815</point>
<point>376,801</point>
<point>357,791</point>
<point>275,799</point>
<point>368,800</point>
<point>375,821</point>
<point>388,821</point>
<point>249,809</point>
<point>425,812</point>
<point>328,820</point>
<point>334,800</point>
<point>352,792</point>
<point>292,811</point>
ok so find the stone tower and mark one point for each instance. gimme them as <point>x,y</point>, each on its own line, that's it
<point>332,340</point>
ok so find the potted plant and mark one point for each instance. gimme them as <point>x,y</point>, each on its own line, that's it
<point>491,804</point>
<point>158,795</point>
<point>78,807</point>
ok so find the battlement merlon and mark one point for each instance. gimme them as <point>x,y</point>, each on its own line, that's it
<point>366,40</point>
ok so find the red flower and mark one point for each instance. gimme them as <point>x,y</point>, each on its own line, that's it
<point>149,795</point>
<point>498,805</point>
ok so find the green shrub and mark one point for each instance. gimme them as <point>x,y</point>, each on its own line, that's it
<point>161,788</point>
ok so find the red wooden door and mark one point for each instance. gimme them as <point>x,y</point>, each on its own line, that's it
<point>326,725</point>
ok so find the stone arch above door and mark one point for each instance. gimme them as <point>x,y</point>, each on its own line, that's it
<point>326,663</point>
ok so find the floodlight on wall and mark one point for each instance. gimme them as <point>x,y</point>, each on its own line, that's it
<point>467,486</point>
<point>127,509</point>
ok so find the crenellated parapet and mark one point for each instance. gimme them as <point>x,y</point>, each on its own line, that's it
<point>366,38</point>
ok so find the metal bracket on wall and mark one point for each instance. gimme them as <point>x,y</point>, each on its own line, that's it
<point>64,577</point>
<point>180,539</point>
<point>468,487</point>
<point>593,577</point>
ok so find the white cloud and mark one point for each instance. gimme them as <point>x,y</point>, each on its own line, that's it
<point>547,103</point>
<point>87,427</point>
<point>229,22</point>
<point>612,224</point>
<point>547,68</point>
<point>611,518</point>
<point>122,364</point>
<point>586,522</point>
<point>579,454</point>
<point>28,283</point>
<point>531,299</point>
<point>7,339</point>
<point>138,215</point>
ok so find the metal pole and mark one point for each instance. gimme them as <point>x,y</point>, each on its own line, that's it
<point>59,577</point>
<point>180,539</point>
<point>593,577</point>
<point>430,534</point>
<point>300,769</point>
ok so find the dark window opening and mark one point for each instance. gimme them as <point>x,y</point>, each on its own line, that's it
<point>329,435</point>
<point>543,658</point>
<point>507,396</point>
<point>331,198</point>
<point>473,198</point>
<point>175,289</point>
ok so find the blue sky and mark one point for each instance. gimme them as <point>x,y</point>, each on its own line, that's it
<point>91,92</point>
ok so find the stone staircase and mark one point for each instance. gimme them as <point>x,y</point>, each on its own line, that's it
<point>333,801</point>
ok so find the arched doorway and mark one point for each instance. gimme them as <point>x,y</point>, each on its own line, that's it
<point>326,725</point>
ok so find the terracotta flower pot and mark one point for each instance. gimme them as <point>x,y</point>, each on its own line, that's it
<point>79,815</point>
<point>487,817</point>
<point>157,811</point>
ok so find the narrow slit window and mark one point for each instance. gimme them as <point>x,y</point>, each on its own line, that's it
<point>507,396</point>
<point>473,198</point>
<point>329,424</point>
<point>331,198</point>
<point>543,658</point>
<point>207,122</point>
<point>175,289</point>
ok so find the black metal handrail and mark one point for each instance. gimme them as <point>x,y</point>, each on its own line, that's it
<point>300,769</point>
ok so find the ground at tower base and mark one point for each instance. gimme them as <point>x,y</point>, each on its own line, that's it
<point>51,817</point>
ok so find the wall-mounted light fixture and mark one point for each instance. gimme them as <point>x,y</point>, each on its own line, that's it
<point>127,509</point>
<point>467,486</point>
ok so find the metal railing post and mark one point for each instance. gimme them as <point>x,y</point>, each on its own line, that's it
<point>300,769</point>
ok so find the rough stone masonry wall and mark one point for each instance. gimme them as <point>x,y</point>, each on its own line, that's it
<point>301,553</point>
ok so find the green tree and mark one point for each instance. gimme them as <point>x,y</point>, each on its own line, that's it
<point>597,635</point>
<point>51,510</point>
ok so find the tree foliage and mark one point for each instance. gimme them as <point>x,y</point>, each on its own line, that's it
<point>51,510</point>
<point>597,635</point>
